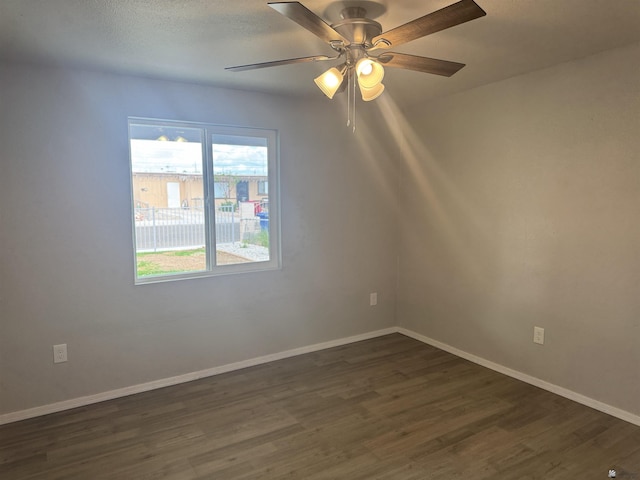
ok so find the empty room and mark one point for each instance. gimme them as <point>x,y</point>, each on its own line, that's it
<point>320,239</point>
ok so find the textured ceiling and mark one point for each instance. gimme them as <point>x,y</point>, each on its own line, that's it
<point>193,40</point>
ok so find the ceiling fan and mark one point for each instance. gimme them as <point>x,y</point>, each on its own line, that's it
<point>363,49</point>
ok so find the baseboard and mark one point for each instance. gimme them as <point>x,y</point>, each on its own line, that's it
<point>188,377</point>
<point>563,392</point>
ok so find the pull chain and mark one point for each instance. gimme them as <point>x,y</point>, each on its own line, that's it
<point>351,100</point>
<point>348,98</point>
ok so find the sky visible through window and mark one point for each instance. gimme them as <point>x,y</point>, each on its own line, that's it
<point>153,156</point>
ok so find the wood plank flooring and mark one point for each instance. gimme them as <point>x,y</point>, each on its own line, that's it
<point>386,408</point>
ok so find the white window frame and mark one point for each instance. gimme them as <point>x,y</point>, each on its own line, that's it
<point>273,162</point>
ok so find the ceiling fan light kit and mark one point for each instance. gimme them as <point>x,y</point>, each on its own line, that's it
<point>363,48</point>
<point>372,93</point>
<point>330,81</point>
<point>370,73</point>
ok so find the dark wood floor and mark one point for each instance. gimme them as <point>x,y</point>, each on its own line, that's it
<point>387,408</point>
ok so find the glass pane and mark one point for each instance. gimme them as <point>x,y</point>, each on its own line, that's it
<point>221,189</point>
<point>242,213</point>
<point>168,200</point>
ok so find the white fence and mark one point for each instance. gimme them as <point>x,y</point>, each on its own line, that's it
<point>181,228</point>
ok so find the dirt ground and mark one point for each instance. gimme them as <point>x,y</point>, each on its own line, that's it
<point>169,261</point>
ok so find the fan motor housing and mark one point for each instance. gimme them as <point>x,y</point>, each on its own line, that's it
<point>356,28</point>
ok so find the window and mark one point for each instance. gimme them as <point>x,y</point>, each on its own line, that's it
<point>200,203</point>
<point>221,189</point>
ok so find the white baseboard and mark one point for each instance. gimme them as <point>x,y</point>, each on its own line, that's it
<point>188,377</point>
<point>167,382</point>
<point>563,392</point>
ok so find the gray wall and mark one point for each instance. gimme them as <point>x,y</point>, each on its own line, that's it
<point>518,206</point>
<point>66,257</point>
<point>521,207</point>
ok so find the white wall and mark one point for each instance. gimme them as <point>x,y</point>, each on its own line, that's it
<point>66,254</point>
<point>521,204</point>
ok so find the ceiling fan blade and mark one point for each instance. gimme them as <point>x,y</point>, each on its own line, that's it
<point>419,64</point>
<point>309,20</point>
<point>455,14</point>
<point>277,63</point>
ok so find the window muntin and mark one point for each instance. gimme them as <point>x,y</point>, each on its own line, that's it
<point>195,191</point>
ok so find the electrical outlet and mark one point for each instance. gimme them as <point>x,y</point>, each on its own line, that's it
<point>373,299</point>
<point>538,335</point>
<point>60,353</point>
